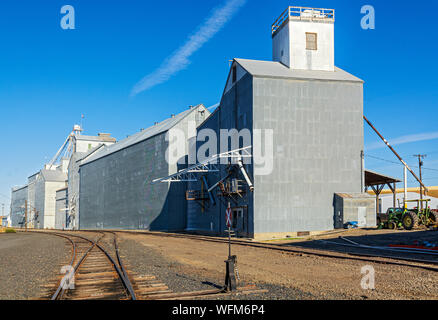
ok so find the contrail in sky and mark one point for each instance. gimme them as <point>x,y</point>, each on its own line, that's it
<point>179,60</point>
<point>405,139</point>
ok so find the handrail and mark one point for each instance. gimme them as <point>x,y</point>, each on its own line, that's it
<point>303,13</point>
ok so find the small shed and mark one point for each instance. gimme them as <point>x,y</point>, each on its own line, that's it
<point>354,207</point>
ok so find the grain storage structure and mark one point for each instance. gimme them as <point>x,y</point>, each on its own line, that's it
<point>114,188</point>
<point>314,112</point>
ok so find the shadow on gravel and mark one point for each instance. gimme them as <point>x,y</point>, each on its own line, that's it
<point>338,244</point>
<point>214,285</point>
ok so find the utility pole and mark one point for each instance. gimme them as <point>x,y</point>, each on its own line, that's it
<point>396,154</point>
<point>420,164</point>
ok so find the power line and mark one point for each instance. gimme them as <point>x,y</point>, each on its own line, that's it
<point>429,169</point>
<point>374,157</point>
<point>429,178</point>
<point>398,163</point>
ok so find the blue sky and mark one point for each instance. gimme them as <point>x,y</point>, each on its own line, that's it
<point>50,76</point>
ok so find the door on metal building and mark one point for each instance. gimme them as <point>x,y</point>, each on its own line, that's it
<point>362,216</point>
<point>240,222</point>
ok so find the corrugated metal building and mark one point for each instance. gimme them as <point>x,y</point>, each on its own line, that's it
<point>47,183</point>
<point>42,186</point>
<point>17,209</point>
<point>315,115</point>
<point>31,182</point>
<point>61,208</point>
<point>386,198</point>
<point>114,183</point>
<point>74,183</point>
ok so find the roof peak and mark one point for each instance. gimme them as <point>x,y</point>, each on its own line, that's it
<point>275,69</point>
<point>143,135</point>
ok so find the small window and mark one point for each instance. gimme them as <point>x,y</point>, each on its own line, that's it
<point>234,74</point>
<point>311,41</point>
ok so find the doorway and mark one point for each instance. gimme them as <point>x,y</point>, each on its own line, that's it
<point>240,221</point>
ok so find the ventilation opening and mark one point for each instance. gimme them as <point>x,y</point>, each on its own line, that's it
<point>311,41</point>
<point>234,73</point>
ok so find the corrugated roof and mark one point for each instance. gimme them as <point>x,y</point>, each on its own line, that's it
<point>17,188</point>
<point>53,175</point>
<point>83,155</point>
<point>142,135</point>
<point>96,138</point>
<point>274,69</point>
<point>33,175</point>
<point>374,178</point>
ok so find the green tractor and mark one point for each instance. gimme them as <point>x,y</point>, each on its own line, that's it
<point>392,219</point>
<point>396,218</point>
<point>421,215</point>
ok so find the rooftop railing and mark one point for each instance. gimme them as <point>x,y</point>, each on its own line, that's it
<point>304,13</point>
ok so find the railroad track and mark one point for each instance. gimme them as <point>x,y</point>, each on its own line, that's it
<point>380,258</point>
<point>96,275</point>
<point>92,272</point>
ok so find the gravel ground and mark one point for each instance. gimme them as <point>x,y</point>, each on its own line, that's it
<point>146,260</point>
<point>27,261</point>
<point>184,264</point>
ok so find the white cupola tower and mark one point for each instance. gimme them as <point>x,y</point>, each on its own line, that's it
<point>303,39</point>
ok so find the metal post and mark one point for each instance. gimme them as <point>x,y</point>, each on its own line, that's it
<point>230,277</point>
<point>229,242</point>
<point>229,236</point>
<point>405,177</point>
<point>394,196</point>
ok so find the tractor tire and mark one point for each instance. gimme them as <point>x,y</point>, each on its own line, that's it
<point>410,220</point>
<point>433,220</point>
<point>392,225</point>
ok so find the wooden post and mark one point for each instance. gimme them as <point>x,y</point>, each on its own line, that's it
<point>420,164</point>
<point>394,193</point>
<point>377,190</point>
